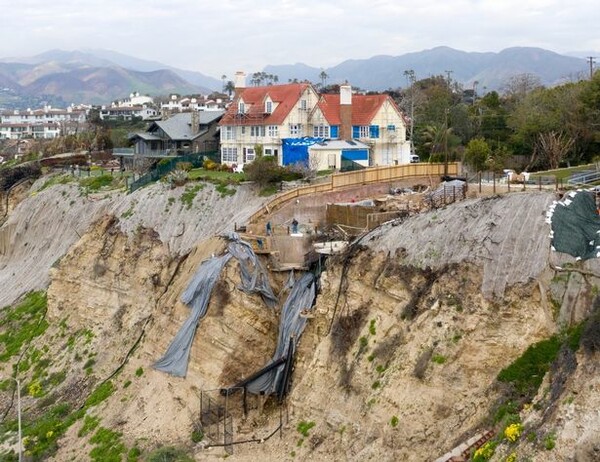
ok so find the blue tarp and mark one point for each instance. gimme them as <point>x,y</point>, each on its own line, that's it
<point>295,150</point>
<point>355,154</point>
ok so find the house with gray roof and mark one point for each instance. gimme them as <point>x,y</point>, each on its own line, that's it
<point>181,133</point>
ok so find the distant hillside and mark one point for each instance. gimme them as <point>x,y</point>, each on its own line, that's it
<point>80,83</point>
<point>490,70</point>
<point>107,58</point>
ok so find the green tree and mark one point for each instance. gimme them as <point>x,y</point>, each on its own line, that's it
<point>478,154</point>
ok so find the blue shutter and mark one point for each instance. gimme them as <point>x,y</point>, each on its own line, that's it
<point>374,131</point>
<point>334,131</point>
<point>355,131</point>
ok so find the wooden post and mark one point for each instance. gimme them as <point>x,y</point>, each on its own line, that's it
<point>494,179</point>
<point>540,183</point>
<point>479,182</point>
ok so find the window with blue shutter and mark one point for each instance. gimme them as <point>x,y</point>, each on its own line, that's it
<point>355,131</point>
<point>334,131</point>
<point>374,131</point>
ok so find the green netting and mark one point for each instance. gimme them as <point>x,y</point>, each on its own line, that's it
<point>576,225</point>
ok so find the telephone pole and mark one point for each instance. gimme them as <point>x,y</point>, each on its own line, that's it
<point>591,61</point>
<point>448,73</point>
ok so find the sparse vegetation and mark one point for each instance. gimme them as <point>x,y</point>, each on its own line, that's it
<point>108,446</point>
<point>188,196</point>
<point>139,372</point>
<point>95,183</point>
<point>304,427</point>
<point>394,421</point>
<point>22,323</point>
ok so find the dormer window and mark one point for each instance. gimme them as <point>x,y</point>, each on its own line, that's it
<point>241,107</point>
<point>269,107</point>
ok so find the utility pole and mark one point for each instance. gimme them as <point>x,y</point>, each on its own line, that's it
<point>446,142</point>
<point>591,61</point>
<point>448,73</point>
<point>410,75</point>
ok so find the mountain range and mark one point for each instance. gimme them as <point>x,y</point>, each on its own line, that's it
<point>100,76</point>
<point>489,70</point>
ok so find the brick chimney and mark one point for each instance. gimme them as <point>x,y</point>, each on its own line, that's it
<point>346,112</point>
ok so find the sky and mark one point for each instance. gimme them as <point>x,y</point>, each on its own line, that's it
<point>219,37</point>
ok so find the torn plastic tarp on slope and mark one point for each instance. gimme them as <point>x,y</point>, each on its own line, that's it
<point>575,225</point>
<point>254,279</point>
<point>292,324</point>
<point>196,296</point>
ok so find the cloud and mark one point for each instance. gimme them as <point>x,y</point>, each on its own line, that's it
<point>221,37</point>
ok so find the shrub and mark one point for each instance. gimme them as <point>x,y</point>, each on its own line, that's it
<point>210,165</point>
<point>527,372</point>
<point>513,432</point>
<point>264,170</point>
<point>394,421</point>
<point>139,371</point>
<point>485,452</point>
<point>185,166</point>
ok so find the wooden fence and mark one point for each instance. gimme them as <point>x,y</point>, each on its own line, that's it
<point>367,176</point>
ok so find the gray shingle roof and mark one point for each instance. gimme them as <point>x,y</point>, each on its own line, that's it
<point>178,126</point>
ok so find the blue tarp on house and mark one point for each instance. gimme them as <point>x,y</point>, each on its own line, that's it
<point>355,154</point>
<point>295,150</point>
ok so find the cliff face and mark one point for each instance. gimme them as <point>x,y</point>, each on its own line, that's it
<point>399,361</point>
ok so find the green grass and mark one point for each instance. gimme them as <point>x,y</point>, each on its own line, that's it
<point>564,173</point>
<point>224,191</point>
<point>304,427</point>
<point>57,179</point>
<point>527,371</point>
<point>89,425</point>
<point>168,454</point>
<point>95,183</point>
<point>102,392</point>
<point>439,359</point>
<point>108,446</point>
<point>215,176</point>
<point>188,196</point>
<point>22,323</point>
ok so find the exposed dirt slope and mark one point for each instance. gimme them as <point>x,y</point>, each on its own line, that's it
<point>399,362</point>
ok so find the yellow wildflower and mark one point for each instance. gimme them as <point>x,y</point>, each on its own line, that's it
<point>513,432</point>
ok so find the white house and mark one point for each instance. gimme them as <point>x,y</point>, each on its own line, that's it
<point>288,120</point>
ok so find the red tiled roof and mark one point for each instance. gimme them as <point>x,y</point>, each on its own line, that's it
<point>364,108</point>
<point>286,96</point>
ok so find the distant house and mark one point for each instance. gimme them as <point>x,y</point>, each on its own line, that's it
<point>182,133</point>
<point>127,112</point>
<point>288,120</point>
<point>43,123</point>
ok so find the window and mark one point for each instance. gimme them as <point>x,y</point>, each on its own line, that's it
<point>295,129</point>
<point>374,131</point>
<point>321,131</point>
<point>334,131</point>
<point>303,105</point>
<point>257,130</point>
<point>391,128</point>
<point>268,152</point>
<point>248,155</point>
<point>273,130</point>
<point>228,133</point>
<point>269,107</point>
<point>360,131</point>
<point>229,155</point>
<point>241,107</point>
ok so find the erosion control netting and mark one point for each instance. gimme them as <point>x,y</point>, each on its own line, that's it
<point>292,324</point>
<point>575,225</point>
<point>197,295</point>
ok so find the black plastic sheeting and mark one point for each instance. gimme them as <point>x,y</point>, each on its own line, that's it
<point>575,225</point>
<point>293,321</point>
<point>254,279</point>
<point>196,296</point>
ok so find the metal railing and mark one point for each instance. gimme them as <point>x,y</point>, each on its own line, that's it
<point>166,166</point>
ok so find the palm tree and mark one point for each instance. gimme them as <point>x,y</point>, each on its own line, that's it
<point>323,76</point>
